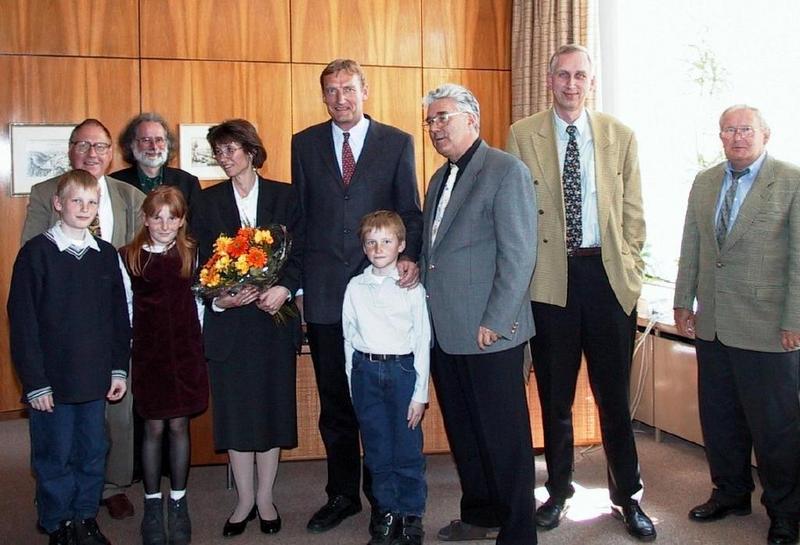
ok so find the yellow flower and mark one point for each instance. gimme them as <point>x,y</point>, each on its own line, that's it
<point>222,244</point>
<point>242,266</point>
<point>222,263</point>
<point>262,235</point>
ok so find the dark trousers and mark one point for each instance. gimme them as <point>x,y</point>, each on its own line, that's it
<point>485,410</point>
<point>592,323</point>
<point>382,393</point>
<point>68,457</point>
<point>337,420</point>
<point>750,399</point>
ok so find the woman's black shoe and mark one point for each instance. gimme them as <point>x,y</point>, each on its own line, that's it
<point>271,526</point>
<point>235,528</point>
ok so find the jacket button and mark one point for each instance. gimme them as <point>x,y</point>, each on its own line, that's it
<point>541,212</point>
<point>431,267</point>
<point>536,182</point>
<point>347,231</point>
<point>544,240</point>
<point>719,265</point>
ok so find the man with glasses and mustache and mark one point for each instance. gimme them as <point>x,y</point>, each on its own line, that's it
<point>91,149</point>
<point>147,143</point>
<point>740,260</point>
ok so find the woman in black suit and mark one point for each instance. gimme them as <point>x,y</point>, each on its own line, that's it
<point>251,356</point>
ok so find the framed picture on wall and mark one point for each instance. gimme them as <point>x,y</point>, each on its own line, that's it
<point>196,155</point>
<point>38,152</point>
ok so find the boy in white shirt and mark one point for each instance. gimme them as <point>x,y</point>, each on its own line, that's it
<point>387,356</point>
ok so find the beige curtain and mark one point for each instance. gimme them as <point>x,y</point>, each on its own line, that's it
<point>538,27</point>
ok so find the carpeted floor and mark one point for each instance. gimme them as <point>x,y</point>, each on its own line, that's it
<point>673,470</point>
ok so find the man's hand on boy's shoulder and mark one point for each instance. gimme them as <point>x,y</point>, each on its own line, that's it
<point>415,412</point>
<point>118,388</point>
<point>43,403</point>
<point>409,272</point>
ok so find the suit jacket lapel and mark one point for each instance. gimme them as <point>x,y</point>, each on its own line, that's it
<point>759,192</point>
<point>326,152</point>
<point>119,208</point>
<point>605,172</point>
<point>369,153</point>
<point>544,144</point>
<point>229,212</point>
<point>462,189</point>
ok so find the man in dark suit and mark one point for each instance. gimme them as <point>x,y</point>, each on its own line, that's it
<point>476,263</point>
<point>91,149</point>
<point>148,145</point>
<point>740,259</point>
<point>585,169</point>
<point>343,169</point>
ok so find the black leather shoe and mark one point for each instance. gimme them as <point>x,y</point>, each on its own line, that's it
<point>636,522</point>
<point>410,531</point>
<point>385,530</point>
<point>271,526</point>
<point>714,510</point>
<point>64,535</point>
<point>782,531</point>
<point>550,513</point>
<point>235,528</point>
<point>332,514</point>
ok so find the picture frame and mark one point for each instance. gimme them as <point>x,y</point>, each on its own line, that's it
<point>196,156</point>
<point>39,151</point>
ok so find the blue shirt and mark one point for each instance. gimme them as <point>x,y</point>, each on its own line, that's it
<point>590,227</point>
<point>745,183</point>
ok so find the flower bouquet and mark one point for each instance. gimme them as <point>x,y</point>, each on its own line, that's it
<point>254,257</point>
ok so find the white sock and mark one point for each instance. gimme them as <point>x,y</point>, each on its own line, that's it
<point>177,494</point>
<point>156,496</point>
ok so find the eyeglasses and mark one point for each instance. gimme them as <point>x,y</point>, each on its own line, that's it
<point>226,151</point>
<point>83,146</point>
<point>147,140</point>
<point>439,119</point>
<point>744,132</point>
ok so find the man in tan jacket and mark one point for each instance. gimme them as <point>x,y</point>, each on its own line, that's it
<point>587,279</point>
<point>740,259</point>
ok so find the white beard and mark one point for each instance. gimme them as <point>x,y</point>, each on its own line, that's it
<point>154,162</point>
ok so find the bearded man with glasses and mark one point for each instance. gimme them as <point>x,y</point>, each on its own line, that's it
<point>91,149</point>
<point>148,145</point>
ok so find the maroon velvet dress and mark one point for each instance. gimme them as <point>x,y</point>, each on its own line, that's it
<point>169,376</point>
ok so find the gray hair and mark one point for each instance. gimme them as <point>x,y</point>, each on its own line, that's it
<point>128,135</point>
<point>464,99</point>
<point>759,117</point>
<point>563,50</point>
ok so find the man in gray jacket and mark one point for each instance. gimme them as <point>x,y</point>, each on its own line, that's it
<point>477,262</point>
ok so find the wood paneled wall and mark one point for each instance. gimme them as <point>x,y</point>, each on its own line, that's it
<point>197,61</point>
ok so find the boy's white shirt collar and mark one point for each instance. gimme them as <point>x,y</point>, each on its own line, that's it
<point>369,277</point>
<point>63,241</point>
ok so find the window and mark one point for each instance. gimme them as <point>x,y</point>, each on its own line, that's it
<point>669,69</point>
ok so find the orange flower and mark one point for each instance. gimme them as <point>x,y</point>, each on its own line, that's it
<point>256,257</point>
<point>245,233</point>
<point>239,246</point>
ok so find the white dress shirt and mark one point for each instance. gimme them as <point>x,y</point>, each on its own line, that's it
<point>380,317</point>
<point>105,211</point>
<point>358,133</point>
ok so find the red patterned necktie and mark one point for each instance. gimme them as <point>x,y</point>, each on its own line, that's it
<point>348,161</point>
<point>572,191</point>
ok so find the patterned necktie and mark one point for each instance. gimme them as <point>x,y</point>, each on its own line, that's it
<point>348,161</point>
<point>443,200</point>
<point>724,220</point>
<point>572,191</point>
<point>94,227</point>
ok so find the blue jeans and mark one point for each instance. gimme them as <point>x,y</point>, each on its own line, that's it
<point>393,453</point>
<point>68,456</point>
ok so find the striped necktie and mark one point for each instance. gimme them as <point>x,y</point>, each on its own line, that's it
<point>724,220</point>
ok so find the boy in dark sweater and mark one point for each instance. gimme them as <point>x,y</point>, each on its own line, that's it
<point>70,343</point>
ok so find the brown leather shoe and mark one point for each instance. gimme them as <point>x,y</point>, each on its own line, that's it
<point>119,506</point>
